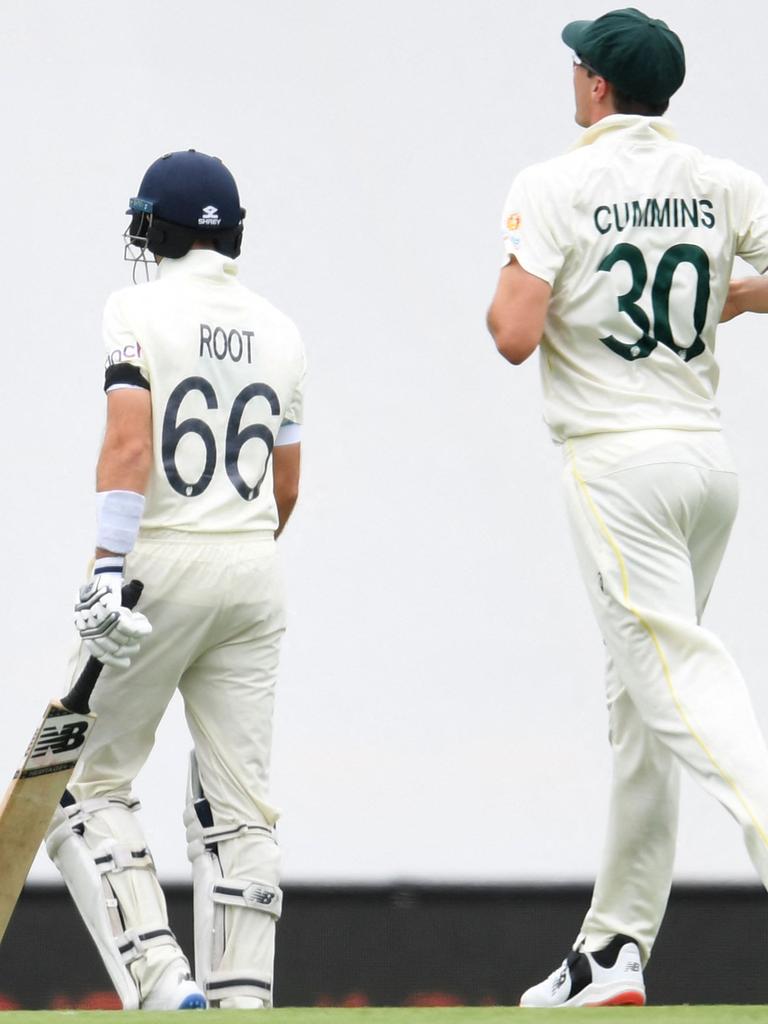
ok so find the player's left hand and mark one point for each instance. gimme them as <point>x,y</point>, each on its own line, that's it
<point>111,632</point>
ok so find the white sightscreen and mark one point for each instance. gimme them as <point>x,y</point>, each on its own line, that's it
<point>440,713</point>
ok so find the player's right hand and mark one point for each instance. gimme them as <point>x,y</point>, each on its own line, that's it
<point>109,631</point>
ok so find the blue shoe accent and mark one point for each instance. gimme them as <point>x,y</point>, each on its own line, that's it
<point>195,1001</point>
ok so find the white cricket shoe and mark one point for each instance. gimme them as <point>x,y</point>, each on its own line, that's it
<point>242,1003</point>
<point>609,977</point>
<point>175,991</point>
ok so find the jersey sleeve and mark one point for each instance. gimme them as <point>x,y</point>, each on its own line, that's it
<point>293,414</point>
<point>125,365</point>
<point>527,231</point>
<point>752,242</point>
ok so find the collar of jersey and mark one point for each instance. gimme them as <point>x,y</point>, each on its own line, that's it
<point>615,125</point>
<point>199,261</point>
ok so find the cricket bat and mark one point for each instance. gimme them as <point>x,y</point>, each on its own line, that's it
<point>39,784</point>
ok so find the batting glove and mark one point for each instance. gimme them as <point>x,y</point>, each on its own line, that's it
<point>110,632</point>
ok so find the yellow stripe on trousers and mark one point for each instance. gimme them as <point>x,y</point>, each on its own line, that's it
<point>662,657</point>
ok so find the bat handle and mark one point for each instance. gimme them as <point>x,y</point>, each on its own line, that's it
<point>78,698</point>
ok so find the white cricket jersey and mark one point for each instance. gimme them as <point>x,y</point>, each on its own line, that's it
<point>636,233</point>
<point>225,370</point>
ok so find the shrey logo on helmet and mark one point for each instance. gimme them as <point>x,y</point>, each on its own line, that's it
<point>185,197</point>
<point>210,216</point>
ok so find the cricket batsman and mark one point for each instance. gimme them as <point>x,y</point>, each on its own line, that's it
<point>197,476</point>
<point>618,261</point>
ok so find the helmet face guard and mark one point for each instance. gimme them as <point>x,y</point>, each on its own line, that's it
<point>184,198</point>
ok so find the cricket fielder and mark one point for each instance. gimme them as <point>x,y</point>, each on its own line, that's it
<point>619,256</point>
<point>197,475</point>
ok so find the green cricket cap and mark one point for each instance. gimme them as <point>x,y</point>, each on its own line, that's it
<point>639,55</point>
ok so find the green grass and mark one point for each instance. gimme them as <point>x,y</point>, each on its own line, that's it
<point>396,1015</point>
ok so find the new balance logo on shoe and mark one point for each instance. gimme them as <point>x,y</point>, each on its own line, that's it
<point>611,976</point>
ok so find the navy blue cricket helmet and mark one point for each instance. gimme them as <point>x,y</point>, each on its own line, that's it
<point>185,197</point>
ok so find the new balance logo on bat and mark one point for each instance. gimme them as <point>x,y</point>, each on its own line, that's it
<point>69,737</point>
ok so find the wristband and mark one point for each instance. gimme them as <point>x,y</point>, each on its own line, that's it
<point>109,565</point>
<point>118,518</point>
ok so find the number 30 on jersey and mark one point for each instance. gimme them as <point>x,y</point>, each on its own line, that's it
<point>661,288</point>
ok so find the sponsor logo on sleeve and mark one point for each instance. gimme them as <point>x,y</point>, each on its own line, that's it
<point>514,221</point>
<point>124,355</point>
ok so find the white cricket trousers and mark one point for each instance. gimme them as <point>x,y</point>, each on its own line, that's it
<point>217,611</point>
<point>650,513</point>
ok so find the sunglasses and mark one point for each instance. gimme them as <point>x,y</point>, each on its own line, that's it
<point>579,63</point>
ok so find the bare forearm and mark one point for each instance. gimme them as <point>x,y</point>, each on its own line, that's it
<point>123,467</point>
<point>285,505</point>
<point>517,313</point>
<point>286,466</point>
<point>746,295</point>
<point>512,339</point>
<point>751,294</point>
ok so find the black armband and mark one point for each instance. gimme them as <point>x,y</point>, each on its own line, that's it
<point>127,374</point>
